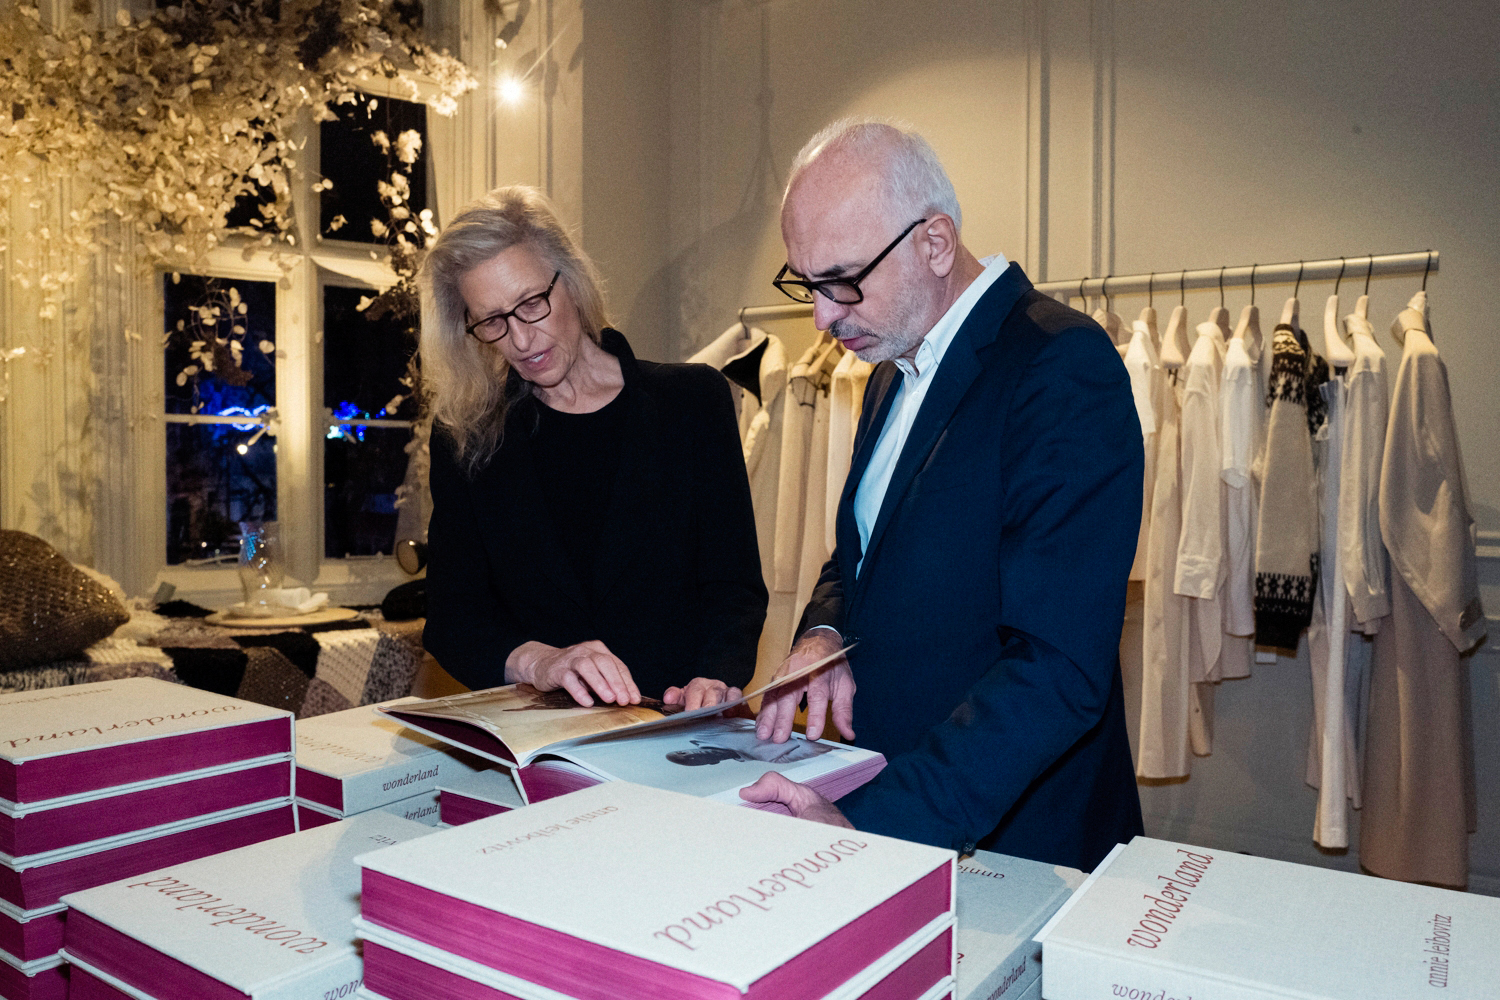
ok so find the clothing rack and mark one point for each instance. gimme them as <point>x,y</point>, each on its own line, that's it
<point>1422,262</point>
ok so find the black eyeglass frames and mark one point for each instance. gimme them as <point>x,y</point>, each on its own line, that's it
<point>532,309</point>
<point>844,291</point>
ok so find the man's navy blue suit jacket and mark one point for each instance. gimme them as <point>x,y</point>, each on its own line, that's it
<point>989,606</point>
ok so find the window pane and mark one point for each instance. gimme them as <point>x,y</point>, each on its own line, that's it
<point>364,359</point>
<point>211,487</point>
<point>203,375</point>
<point>362,467</point>
<point>356,165</point>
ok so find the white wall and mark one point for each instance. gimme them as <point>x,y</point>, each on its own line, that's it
<point>1119,136</point>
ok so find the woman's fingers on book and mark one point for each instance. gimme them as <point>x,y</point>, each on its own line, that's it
<point>587,670</point>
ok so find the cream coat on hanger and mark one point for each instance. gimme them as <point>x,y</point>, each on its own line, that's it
<point>1413,317</point>
<point>1248,330</point>
<point>1113,325</point>
<point>1220,318</point>
<point>1148,317</point>
<point>1335,349</point>
<point>1174,345</point>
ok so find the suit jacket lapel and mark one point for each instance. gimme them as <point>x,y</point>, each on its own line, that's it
<point>956,372</point>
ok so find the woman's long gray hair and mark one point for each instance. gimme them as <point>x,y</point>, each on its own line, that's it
<point>465,381</point>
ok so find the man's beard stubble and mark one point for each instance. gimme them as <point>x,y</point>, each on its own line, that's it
<point>896,340</point>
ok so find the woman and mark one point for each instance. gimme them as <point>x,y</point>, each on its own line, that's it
<point>591,526</point>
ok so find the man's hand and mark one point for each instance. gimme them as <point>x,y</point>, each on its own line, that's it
<point>801,801</point>
<point>700,692</point>
<point>585,669</point>
<point>831,686</point>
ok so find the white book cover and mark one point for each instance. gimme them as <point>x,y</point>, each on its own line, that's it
<point>1002,902</point>
<point>1160,919</point>
<point>853,989</point>
<point>774,886</point>
<point>137,836</point>
<point>715,757</point>
<point>56,721</point>
<point>497,785</point>
<point>375,758</point>
<point>420,808</point>
<point>272,920</point>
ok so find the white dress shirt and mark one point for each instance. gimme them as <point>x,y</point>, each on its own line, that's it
<point>917,375</point>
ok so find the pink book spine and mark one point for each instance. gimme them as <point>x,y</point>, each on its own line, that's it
<point>308,819</point>
<point>54,829</point>
<point>35,888</point>
<point>456,810</point>
<point>140,965</point>
<point>84,985</point>
<point>320,788</point>
<point>918,974</point>
<point>36,938</point>
<point>393,974</point>
<point>90,770</point>
<point>49,984</point>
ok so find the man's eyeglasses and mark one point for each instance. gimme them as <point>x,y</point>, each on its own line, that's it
<point>844,291</point>
<point>532,309</point>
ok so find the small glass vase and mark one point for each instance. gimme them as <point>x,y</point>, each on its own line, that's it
<point>260,563</point>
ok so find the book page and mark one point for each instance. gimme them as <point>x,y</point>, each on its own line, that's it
<point>709,756</point>
<point>527,721</point>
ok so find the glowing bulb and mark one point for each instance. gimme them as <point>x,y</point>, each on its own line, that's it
<point>242,449</point>
<point>510,90</point>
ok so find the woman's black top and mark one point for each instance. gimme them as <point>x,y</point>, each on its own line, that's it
<point>631,525</point>
<point>577,456</point>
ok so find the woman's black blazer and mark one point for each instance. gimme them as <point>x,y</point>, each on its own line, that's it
<point>677,592</point>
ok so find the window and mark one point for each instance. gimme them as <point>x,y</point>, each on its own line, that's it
<point>281,397</point>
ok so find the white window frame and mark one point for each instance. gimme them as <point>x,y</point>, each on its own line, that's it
<point>303,420</point>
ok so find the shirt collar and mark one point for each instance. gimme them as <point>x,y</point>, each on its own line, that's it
<point>930,352</point>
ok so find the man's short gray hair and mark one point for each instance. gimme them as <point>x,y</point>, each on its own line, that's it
<point>916,183</point>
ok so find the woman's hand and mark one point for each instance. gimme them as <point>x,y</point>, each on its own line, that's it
<point>700,692</point>
<point>585,670</point>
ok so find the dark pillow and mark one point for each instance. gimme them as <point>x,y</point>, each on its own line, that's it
<point>49,610</point>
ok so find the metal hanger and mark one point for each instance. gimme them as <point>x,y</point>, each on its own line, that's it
<point>1427,270</point>
<point>1252,284</point>
<point>1221,287</point>
<point>1340,279</point>
<point>1297,288</point>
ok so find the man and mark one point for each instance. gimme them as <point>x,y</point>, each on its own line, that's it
<point>985,532</point>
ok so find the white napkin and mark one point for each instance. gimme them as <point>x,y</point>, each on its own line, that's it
<point>279,602</point>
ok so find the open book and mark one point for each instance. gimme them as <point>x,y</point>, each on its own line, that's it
<point>711,758</point>
<point>515,724</point>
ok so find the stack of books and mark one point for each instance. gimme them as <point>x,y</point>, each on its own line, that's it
<point>1002,903</point>
<point>1158,919</point>
<point>556,747</point>
<point>625,891</point>
<point>103,781</point>
<point>477,795</point>
<point>354,761</point>
<point>272,920</point>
